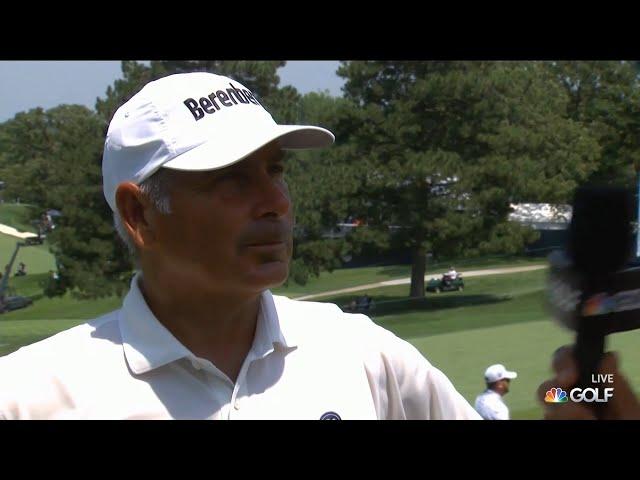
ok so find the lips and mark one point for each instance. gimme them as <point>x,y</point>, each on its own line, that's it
<point>265,243</point>
<point>269,235</point>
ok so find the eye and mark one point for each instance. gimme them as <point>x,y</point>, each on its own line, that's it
<point>237,176</point>
<point>232,179</point>
<point>277,168</point>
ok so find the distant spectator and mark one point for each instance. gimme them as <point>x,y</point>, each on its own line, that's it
<point>22,270</point>
<point>489,404</point>
<point>364,303</point>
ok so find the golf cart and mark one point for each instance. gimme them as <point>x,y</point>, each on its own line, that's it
<point>40,237</point>
<point>14,302</point>
<point>445,284</point>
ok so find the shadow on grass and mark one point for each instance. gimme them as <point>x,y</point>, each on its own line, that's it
<point>395,271</point>
<point>391,305</point>
<point>412,318</point>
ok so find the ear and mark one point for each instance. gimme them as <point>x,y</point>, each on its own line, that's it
<point>136,212</point>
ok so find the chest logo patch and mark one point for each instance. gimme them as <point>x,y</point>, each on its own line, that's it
<point>330,416</point>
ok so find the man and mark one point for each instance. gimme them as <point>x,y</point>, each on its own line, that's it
<point>452,273</point>
<point>450,276</point>
<point>22,270</point>
<point>364,303</point>
<point>193,171</point>
<point>489,404</point>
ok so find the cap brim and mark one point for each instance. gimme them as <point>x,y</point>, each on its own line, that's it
<point>510,375</point>
<point>215,154</point>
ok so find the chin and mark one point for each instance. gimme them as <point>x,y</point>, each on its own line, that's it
<point>270,275</point>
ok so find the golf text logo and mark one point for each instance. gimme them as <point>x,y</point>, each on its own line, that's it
<point>589,395</point>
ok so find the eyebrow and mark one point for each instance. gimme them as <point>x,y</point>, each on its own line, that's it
<point>279,156</point>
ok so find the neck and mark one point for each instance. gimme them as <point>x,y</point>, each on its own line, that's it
<point>219,327</point>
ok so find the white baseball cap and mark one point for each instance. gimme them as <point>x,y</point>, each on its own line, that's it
<point>192,121</point>
<point>498,372</point>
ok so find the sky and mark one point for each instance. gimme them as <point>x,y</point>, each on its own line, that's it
<point>29,84</point>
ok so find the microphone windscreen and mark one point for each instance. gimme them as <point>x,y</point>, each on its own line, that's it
<point>600,237</point>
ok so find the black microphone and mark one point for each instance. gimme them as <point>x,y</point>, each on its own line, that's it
<point>594,286</point>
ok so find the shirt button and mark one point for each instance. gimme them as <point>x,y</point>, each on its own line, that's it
<point>236,404</point>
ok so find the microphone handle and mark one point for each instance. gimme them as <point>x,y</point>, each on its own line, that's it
<point>589,349</point>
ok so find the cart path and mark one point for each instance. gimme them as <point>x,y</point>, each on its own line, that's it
<point>406,281</point>
<point>7,230</point>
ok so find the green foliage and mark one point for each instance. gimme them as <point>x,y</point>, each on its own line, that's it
<point>321,183</point>
<point>59,166</point>
<point>19,216</point>
<point>444,148</point>
<point>52,159</point>
<point>605,98</point>
<point>429,154</point>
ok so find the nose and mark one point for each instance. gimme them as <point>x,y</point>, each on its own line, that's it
<point>274,199</point>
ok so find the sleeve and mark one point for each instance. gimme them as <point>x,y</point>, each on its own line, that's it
<point>28,390</point>
<point>405,385</point>
<point>8,402</point>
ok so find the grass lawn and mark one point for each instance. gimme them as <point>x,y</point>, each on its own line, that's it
<point>349,277</point>
<point>19,216</point>
<point>486,301</point>
<point>496,319</point>
<point>47,316</point>
<point>37,258</point>
<point>524,347</point>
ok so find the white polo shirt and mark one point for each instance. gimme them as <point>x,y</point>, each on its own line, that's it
<point>490,406</point>
<point>308,361</point>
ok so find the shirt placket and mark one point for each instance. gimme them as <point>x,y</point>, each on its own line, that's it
<point>238,397</point>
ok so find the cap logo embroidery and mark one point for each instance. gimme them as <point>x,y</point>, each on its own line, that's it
<point>211,104</point>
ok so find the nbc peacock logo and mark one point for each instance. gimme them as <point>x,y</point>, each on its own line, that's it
<point>556,395</point>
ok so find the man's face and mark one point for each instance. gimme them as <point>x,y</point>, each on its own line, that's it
<point>229,230</point>
<point>505,385</point>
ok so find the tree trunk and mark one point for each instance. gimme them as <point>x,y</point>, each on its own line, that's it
<point>417,272</point>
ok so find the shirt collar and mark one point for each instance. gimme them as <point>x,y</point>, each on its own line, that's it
<point>148,344</point>
<point>285,319</point>
<point>269,329</point>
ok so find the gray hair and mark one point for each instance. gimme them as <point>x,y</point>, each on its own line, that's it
<point>157,189</point>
